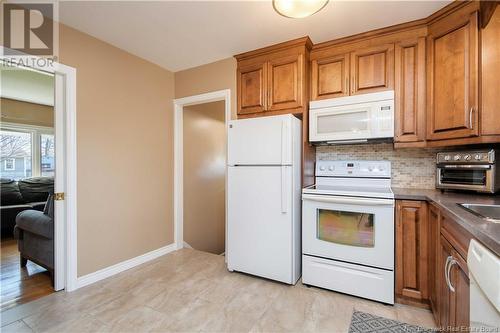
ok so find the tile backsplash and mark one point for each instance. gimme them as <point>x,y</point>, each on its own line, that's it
<point>411,167</point>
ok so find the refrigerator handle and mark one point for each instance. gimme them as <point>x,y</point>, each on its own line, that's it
<point>284,196</point>
<point>284,141</point>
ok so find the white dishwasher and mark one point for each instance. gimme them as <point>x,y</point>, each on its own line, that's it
<point>484,273</point>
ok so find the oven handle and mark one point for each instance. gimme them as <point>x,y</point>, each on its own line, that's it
<point>465,166</point>
<point>349,200</point>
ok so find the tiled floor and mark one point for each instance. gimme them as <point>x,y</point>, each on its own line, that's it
<point>192,291</point>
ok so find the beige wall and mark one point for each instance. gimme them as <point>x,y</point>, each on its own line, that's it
<point>206,78</point>
<point>125,152</point>
<point>204,176</point>
<point>19,112</point>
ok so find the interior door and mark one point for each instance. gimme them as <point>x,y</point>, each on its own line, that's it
<point>59,187</point>
<point>259,228</point>
<point>260,141</point>
<point>285,82</point>
<point>252,87</point>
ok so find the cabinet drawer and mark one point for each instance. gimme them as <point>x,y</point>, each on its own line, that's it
<point>457,235</point>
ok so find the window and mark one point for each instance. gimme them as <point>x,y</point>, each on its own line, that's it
<point>26,151</point>
<point>10,164</point>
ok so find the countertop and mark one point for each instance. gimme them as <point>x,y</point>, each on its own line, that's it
<point>486,232</point>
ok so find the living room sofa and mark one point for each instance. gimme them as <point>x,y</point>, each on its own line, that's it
<point>18,196</point>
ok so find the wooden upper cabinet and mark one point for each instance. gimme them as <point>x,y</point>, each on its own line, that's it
<point>285,79</point>
<point>411,250</point>
<point>274,80</point>
<point>252,88</point>
<point>330,77</point>
<point>410,90</point>
<point>372,69</point>
<point>453,77</point>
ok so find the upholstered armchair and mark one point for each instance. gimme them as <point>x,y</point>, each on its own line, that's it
<point>34,232</point>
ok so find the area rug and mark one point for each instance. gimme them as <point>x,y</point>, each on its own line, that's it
<point>362,322</point>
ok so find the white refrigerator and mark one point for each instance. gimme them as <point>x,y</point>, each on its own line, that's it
<point>263,197</point>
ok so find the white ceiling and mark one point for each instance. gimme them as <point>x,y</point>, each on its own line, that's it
<point>182,34</point>
<point>26,85</point>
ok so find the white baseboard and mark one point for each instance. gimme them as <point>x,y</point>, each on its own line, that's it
<point>123,266</point>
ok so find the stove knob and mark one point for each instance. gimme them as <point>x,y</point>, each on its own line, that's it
<point>477,157</point>
<point>467,157</point>
<point>447,157</point>
<point>456,157</point>
<point>370,169</point>
<point>331,168</point>
<point>322,168</point>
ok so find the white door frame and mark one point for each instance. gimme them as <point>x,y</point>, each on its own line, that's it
<point>65,222</point>
<point>179,104</point>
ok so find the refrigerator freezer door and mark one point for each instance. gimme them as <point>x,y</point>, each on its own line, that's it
<point>260,221</point>
<point>261,141</point>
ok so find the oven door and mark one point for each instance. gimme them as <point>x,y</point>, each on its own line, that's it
<point>466,177</point>
<point>351,229</point>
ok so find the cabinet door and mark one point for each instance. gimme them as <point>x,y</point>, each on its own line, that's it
<point>286,82</point>
<point>454,303</point>
<point>330,77</point>
<point>372,69</point>
<point>459,279</point>
<point>411,250</point>
<point>410,90</point>
<point>433,255</point>
<point>252,88</point>
<point>453,78</point>
<point>445,295</point>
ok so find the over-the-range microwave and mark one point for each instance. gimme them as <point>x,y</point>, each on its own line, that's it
<point>352,119</point>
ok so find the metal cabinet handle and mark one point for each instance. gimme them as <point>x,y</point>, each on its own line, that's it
<point>471,112</point>
<point>446,276</point>
<point>450,264</point>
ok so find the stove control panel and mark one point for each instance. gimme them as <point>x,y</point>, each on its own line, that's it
<point>368,169</point>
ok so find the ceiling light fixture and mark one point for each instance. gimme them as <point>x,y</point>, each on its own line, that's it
<point>298,8</point>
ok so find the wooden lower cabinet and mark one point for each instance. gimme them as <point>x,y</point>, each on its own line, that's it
<point>411,251</point>
<point>434,217</point>
<point>430,265</point>
<point>454,289</point>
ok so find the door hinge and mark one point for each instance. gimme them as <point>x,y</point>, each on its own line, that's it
<point>59,196</point>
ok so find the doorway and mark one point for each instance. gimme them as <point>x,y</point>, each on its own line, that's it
<point>200,131</point>
<point>204,176</point>
<point>27,169</point>
<point>63,148</point>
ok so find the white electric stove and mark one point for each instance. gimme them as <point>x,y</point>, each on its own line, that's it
<point>348,229</point>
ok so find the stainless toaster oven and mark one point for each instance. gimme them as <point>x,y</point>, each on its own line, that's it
<point>468,170</point>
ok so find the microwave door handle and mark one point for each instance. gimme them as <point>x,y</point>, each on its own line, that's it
<point>350,200</point>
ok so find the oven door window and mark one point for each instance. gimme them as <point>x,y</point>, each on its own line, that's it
<point>347,228</point>
<point>463,176</point>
